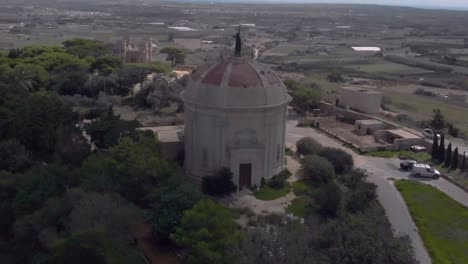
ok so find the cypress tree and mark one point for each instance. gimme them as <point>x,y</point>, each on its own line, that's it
<point>435,147</point>
<point>448,155</point>
<point>463,164</point>
<point>441,149</point>
<point>454,164</point>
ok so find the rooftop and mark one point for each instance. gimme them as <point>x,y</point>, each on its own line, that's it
<point>403,133</point>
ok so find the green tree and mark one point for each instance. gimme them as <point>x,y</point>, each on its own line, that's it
<point>209,232</point>
<point>13,156</point>
<point>219,184</point>
<point>441,149</point>
<point>51,60</point>
<point>83,48</point>
<point>135,166</point>
<point>454,163</point>
<point>37,120</point>
<point>317,169</point>
<point>435,147</point>
<point>28,77</point>
<point>448,156</point>
<point>340,159</point>
<point>69,78</point>
<point>438,120</point>
<point>174,55</point>
<point>307,146</point>
<point>108,128</point>
<point>169,204</point>
<point>91,246</point>
<point>305,98</point>
<point>105,65</point>
<point>38,184</point>
<point>329,199</point>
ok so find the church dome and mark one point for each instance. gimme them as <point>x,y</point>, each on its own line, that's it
<point>235,83</point>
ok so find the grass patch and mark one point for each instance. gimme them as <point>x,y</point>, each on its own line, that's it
<point>419,156</point>
<point>304,187</point>
<point>442,222</point>
<point>301,207</point>
<point>289,152</point>
<point>386,67</point>
<point>267,193</point>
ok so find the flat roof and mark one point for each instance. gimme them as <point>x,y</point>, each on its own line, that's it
<point>403,133</point>
<point>366,48</point>
<point>360,89</point>
<point>370,122</point>
<point>166,133</point>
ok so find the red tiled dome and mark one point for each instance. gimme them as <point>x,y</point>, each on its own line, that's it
<point>235,83</point>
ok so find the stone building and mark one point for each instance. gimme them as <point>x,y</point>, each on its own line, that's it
<point>235,117</point>
<point>137,53</point>
<point>363,100</point>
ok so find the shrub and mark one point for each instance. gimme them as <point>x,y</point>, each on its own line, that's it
<point>307,146</point>
<point>329,199</point>
<point>279,180</point>
<point>341,160</point>
<point>317,168</point>
<point>220,184</point>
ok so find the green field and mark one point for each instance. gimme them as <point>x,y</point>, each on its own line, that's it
<point>442,222</point>
<point>386,67</point>
<point>420,156</point>
<point>421,107</point>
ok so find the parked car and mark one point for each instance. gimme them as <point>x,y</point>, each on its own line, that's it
<point>407,164</point>
<point>430,133</point>
<point>424,170</point>
<point>418,148</point>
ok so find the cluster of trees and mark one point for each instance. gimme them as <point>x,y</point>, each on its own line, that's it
<point>450,159</point>
<point>79,66</point>
<point>352,226</point>
<point>305,97</point>
<point>63,203</point>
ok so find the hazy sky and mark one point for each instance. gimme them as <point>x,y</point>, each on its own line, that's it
<point>445,3</point>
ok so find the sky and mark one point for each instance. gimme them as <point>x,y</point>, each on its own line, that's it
<point>426,3</point>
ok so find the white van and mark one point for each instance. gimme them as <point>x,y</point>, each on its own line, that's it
<point>424,170</point>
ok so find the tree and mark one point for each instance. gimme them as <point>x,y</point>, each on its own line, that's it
<point>435,147</point>
<point>105,65</point>
<point>329,199</point>
<point>340,159</point>
<point>13,156</point>
<point>134,166</point>
<point>454,163</point>
<point>305,98</point>
<point>69,78</point>
<point>441,149</point>
<point>438,121</point>
<point>28,77</point>
<point>109,211</point>
<point>307,146</point>
<point>209,233</point>
<point>335,76</point>
<point>91,246</point>
<point>83,48</point>
<point>37,120</point>
<point>174,55</point>
<point>108,128</point>
<point>220,184</point>
<point>317,168</point>
<point>463,163</point>
<point>169,204</point>
<point>71,146</point>
<point>448,156</point>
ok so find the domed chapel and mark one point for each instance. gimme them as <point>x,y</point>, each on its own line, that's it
<point>235,117</point>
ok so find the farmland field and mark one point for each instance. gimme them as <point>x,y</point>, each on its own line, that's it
<point>420,108</point>
<point>387,67</point>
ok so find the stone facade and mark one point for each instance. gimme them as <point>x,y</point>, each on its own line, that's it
<point>235,117</point>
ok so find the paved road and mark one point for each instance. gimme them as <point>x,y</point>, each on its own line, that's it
<point>380,170</point>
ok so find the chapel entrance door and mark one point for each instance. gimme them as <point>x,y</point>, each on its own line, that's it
<point>245,174</point>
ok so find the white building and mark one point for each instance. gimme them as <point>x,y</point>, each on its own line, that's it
<point>235,117</point>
